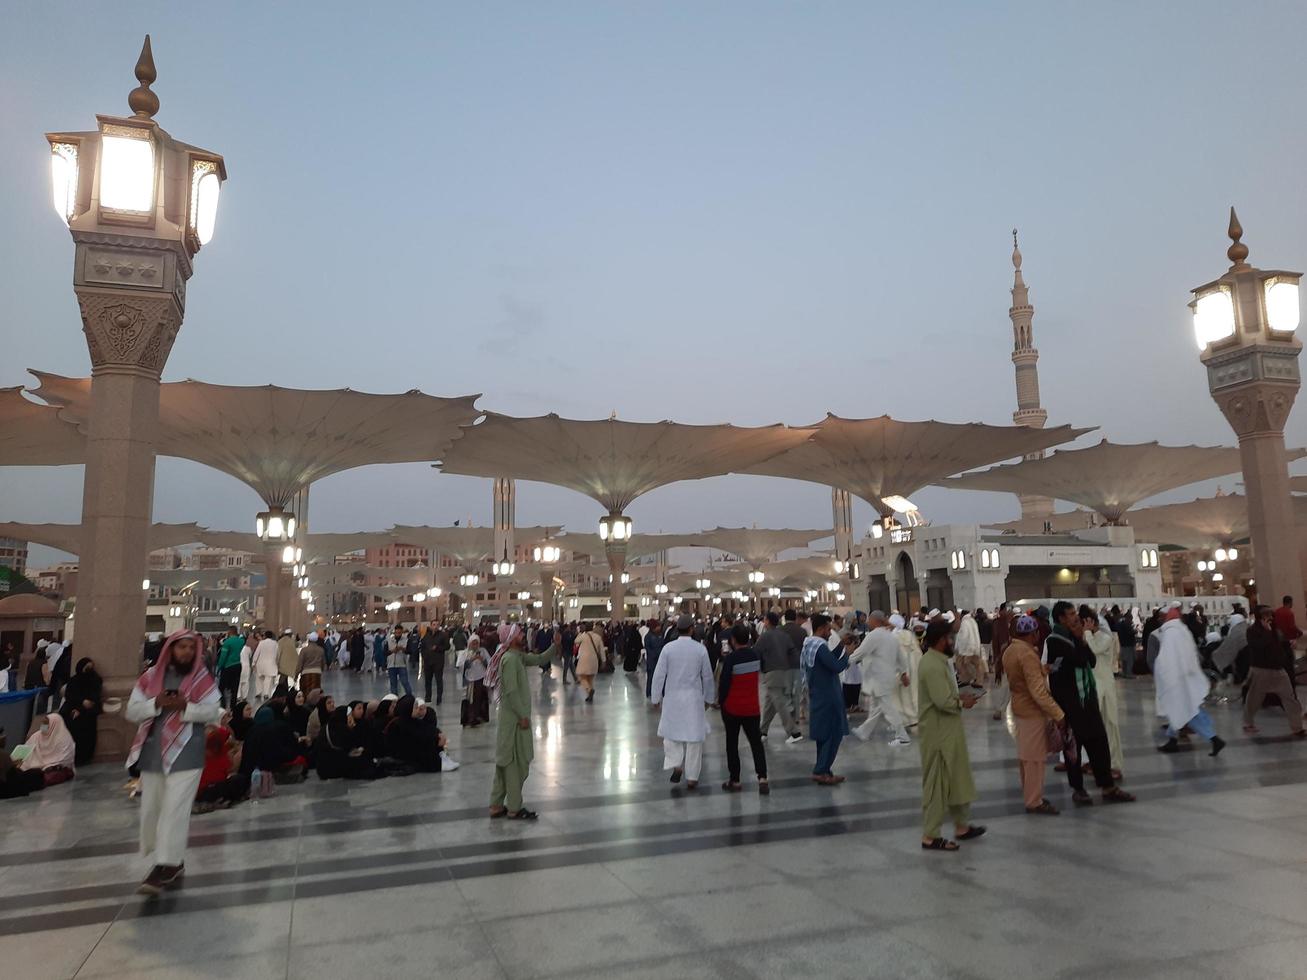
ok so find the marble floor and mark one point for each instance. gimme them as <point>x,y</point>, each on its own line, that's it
<point>622,876</point>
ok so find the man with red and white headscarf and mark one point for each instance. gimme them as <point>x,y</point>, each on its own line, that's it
<point>172,702</point>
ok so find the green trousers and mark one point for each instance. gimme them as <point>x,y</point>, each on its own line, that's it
<point>507,788</point>
<point>934,810</point>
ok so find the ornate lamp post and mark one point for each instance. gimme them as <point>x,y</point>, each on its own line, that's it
<point>1244,323</point>
<point>615,532</point>
<point>139,205</point>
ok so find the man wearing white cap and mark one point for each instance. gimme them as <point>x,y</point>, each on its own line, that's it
<point>1181,684</point>
<point>885,671</point>
<point>683,686</point>
<point>312,661</point>
<point>905,695</point>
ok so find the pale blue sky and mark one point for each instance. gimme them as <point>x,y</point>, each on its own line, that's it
<point>759,211</point>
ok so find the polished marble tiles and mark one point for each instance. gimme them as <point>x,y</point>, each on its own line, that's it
<point>625,874</point>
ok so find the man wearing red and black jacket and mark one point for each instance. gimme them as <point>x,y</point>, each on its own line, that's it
<point>737,696</point>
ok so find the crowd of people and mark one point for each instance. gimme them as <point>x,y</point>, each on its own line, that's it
<point>226,719</point>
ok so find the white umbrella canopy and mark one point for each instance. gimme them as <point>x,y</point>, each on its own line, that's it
<point>609,460</point>
<point>1109,478</point>
<point>883,457</point>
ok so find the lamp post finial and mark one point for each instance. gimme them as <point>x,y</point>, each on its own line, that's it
<point>1237,253</point>
<point>141,100</point>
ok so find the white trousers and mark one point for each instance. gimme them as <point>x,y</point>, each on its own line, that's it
<point>881,704</point>
<point>166,814</point>
<point>265,685</point>
<point>683,755</point>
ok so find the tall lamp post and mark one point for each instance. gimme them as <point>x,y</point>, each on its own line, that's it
<point>615,532</point>
<point>1244,323</point>
<point>139,205</point>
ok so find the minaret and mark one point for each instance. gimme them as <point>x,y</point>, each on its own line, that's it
<point>1026,359</point>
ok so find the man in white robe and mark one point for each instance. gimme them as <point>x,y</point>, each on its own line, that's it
<point>1181,684</point>
<point>969,660</point>
<point>683,687</point>
<point>884,670</point>
<point>905,695</point>
<point>265,667</point>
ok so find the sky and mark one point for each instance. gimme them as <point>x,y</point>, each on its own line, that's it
<point>742,212</point>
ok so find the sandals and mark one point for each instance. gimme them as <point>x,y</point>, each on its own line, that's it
<point>940,844</point>
<point>676,775</point>
<point>730,787</point>
<point>1082,799</point>
<point>1117,795</point>
<point>523,814</point>
<point>496,815</point>
<point>1045,807</point>
<point>974,831</point>
<point>825,780</point>
<point>764,788</point>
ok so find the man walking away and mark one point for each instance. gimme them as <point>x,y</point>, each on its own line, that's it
<point>776,653</point>
<point>229,667</point>
<point>737,696</point>
<point>683,685</point>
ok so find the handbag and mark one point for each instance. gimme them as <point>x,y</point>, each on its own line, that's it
<point>1052,738</point>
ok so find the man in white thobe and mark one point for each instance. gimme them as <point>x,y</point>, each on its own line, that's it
<point>683,687</point>
<point>265,667</point>
<point>905,696</point>
<point>883,670</point>
<point>1181,684</point>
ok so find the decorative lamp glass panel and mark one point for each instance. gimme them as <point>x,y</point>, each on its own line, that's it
<point>204,201</point>
<point>1282,309</point>
<point>259,526</point>
<point>1213,317</point>
<point>1232,554</point>
<point>287,554</point>
<point>127,173</point>
<point>276,526</point>
<point>63,179</point>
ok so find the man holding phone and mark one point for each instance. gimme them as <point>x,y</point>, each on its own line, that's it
<point>172,702</point>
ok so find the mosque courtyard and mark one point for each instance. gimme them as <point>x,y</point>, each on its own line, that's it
<point>623,875</point>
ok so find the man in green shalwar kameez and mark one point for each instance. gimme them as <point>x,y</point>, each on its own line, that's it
<point>514,745</point>
<point>946,785</point>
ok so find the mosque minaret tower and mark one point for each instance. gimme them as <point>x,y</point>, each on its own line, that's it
<point>1026,359</point>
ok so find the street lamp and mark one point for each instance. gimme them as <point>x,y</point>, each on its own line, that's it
<point>614,527</point>
<point>138,205</point>
<point>546,553</point>
<point>1244,324</point>
<point>504,567</point>
<point>703,583</point>
<point>275,524</point>
<point>468,579</point>
<point>756,578</point>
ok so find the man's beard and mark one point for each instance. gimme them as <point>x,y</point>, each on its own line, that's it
<point>948,650</point>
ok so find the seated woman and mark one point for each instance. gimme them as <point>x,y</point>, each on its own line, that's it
<point>411,738</point>
<point>271,745</point>
<point>242,717</point>
<point>324,706</point>
<point>221,782</point>
<point>378,718</point>
<point>340,753</point>
<point>83,701</point>
<point>13,781</point>
<point>48,756</point>
<point>297,713</point>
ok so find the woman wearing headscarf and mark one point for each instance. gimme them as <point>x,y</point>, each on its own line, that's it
<point>514,748</point>
<point>340,752</point>
<point>412,739</point>
<point>242,717</point>
<point>50,753</point>
<point>324,705</point>
<point>271,745</point>
<point>171,703</point>
<point>37,672</point>
<point>83,701</point>
<point>300,709</point>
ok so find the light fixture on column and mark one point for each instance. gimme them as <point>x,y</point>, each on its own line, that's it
<point>615,527</point>
<point>757,578</point>
<point>660,588</point>
<point>702,583</point>
<point>523,596</point>
<point>624,578</point>
<point>145,585</point>
<point>1220,554</point>
<point>468,579</point>
<point>419,597</point>
<point>774,592</point>
<point>503,567</point>
<point>275,524</point>
<point>546,553</point>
